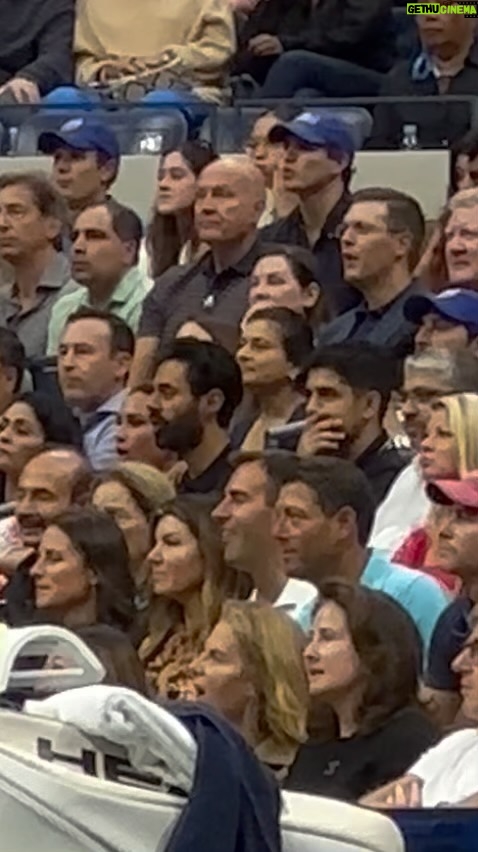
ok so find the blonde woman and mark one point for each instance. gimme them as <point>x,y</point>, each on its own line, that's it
<point>252,671</point>
<point>448,451</point>
<point>190,583</point>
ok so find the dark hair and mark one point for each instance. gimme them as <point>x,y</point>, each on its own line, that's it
<point>55,418</point>
<point>12,355</point>
<point>388,645</point>
<point>117,654</point>
<point>336,484</point>
<point>363,366</point>
<point>267,461</point>
<point>163,236</point>
<point>101,544</point>
<point>126,224</point>
<point>295,332</point>
<point>122,338</point>
<point>404,215</point>
<point>46,198</point>
<point>209,367</point>
<point>301,261</point>
<point>467,145</point>
<point>221,582</point>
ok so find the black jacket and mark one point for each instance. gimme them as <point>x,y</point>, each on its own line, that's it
<point>273,17</point>
<point>360,31</point>
<point>36,41</point>
<point>438,123</point>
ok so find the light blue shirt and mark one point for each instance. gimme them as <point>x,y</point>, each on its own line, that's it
<point>99,433</point>
<point>421,596</point>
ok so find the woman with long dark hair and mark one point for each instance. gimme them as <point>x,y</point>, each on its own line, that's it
<point>171,237</point>
<point>190,582</point>
<point>81,576</point>
<point>363,662</point>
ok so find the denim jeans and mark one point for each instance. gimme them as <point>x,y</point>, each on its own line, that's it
<point>327,76</point>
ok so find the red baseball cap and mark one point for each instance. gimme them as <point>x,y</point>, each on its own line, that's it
<point>460,492</point>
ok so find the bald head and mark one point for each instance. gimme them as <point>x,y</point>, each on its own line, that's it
<point>230,200</point>
<point>51,482</point>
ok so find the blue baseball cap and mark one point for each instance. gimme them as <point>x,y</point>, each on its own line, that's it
<point>455,305</point>
<point>317,129</point>
<point>81,134</point>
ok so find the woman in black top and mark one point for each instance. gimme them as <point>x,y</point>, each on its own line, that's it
<point>363,662</point>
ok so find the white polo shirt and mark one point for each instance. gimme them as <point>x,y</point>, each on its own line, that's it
<point>297,599</point>
<point>449,770</point>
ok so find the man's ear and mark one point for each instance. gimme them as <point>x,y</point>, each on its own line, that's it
<point>123,361</point>
<point>211,403</point>
<point>11,375</point>
<point>373,401</point>
<point>345,522</point>
<point>108,170</point>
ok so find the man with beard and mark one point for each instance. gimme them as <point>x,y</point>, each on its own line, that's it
<point>50,483</point>
<point>197,388</point>
<point>349,388</point>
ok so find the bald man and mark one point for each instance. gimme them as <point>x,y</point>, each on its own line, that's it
<point>229,203</point>
<point>50,483</point>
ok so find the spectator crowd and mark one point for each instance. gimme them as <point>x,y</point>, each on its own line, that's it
<point>239,444</point>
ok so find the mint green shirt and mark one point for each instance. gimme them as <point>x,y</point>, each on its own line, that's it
<point>126,302</point>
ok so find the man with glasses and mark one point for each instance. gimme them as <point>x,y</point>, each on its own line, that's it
<point>427,377</point>
<point>381,239</point>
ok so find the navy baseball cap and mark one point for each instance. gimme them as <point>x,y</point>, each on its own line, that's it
<point>318,130</point>
<point>81,134</point>
<point>455,305</point>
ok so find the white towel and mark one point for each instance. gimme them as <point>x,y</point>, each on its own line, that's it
<point>155,741</point>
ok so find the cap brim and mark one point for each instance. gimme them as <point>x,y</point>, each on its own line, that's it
<point>449,491</point>
<point>416,307</point>
<point>49,142</point>
<point>282,132</point>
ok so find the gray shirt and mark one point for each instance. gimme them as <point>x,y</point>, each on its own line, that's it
<point>31,326</point>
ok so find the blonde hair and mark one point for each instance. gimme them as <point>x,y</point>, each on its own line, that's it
<point>462,410</point>
<point>150,488</point>
<point>466,198</point>
<point>271,647</point>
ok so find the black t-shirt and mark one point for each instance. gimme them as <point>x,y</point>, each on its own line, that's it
<point>350,768</point>
<point>211,480</point>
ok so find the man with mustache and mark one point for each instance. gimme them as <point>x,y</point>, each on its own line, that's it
<point>197,388</point>
<point>51,482</point>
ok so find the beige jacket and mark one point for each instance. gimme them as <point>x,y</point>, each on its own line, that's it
<point>196,38</point>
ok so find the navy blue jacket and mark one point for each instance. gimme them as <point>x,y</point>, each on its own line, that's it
<point>235,803</point>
